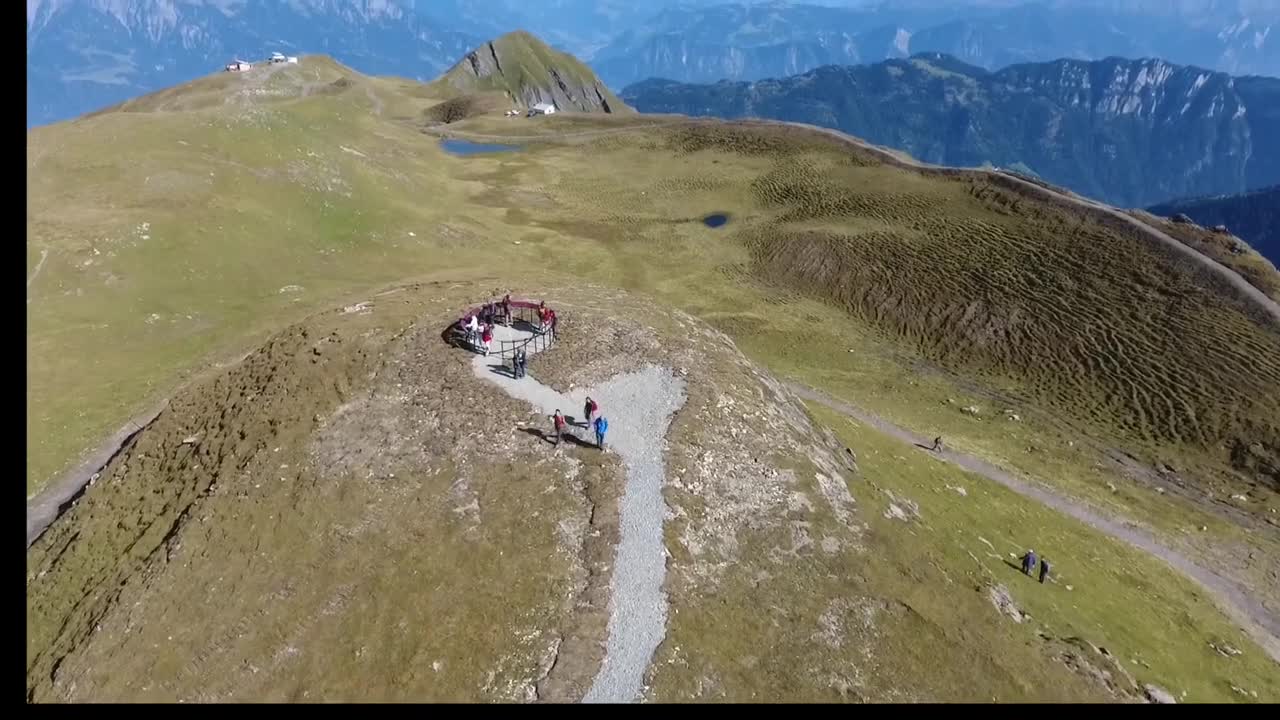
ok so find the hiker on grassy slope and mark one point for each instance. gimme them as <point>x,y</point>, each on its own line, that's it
<point>1044,569</point>
<point>937,444</point>
<point>1028,562</point>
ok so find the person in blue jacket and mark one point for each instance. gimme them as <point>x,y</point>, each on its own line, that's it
<point>602,426</point>
<point>1028,562</point>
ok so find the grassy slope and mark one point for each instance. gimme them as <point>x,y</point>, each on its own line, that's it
<point>295,551</point>
<point>526,62</point>
<point>1250,264</point>
<point>272,215</point>
<point>229,208</point>
<point>1101,590</point>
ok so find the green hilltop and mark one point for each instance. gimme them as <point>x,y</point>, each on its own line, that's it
<point>529,72</point>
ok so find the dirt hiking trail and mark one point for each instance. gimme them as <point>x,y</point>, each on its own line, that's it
<point>1262,625</point>
<point>638,406</point>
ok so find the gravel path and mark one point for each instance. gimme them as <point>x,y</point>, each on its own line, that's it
<point>638,406</point>
<point>1259,622</point>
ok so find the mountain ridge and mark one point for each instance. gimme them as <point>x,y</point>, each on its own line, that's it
<point>1129,132</point>
<point>761,40</point>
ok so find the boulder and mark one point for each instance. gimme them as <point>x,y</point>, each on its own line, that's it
<point>1159,695</point>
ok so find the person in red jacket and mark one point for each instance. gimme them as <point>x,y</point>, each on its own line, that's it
<point>589,410</point>
<point>557,421</point>
<point>486,337</point>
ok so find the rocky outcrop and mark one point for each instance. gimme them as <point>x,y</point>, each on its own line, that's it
<point>530,72</point>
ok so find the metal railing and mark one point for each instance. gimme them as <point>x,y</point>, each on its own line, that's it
<point>523,313</point>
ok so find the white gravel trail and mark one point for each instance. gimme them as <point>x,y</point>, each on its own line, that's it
<point>638,406</point>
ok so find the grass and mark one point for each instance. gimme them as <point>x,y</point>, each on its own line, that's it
<point>885,287</point>
<point>1250,264</point>
<point>288,547</point>
<point>776,588</point>
<point>995,297</point>
<point>1157,623</point>
<point>236,214</point>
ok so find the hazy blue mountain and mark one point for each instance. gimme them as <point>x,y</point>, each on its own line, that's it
<point>1130,132</point>
<point>86,54</point>
<point>775,39</point>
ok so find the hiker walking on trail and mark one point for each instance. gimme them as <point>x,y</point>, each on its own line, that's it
<point>552,313</point>
<point>589,410</point>
<point>1028,562</point>
<point>487,338</point>
<point>1044,569</point>
<point>518,360</point>
<point>557,421</point>
<point>506,309</point>
<point>602,426</point>
<point>937,444</point>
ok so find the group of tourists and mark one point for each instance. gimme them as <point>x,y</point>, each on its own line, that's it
<point>477,328</point>
<point>591,419</point>
<point>497,312</point>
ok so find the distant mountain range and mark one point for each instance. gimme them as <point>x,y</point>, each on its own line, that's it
<point>1129,132</point>
<point>1253,217</point>
<point>86,54</point>
<point>756,41</point>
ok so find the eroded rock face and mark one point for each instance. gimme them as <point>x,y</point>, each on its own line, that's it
<point>1003,602</point>
<point>563,87</point>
